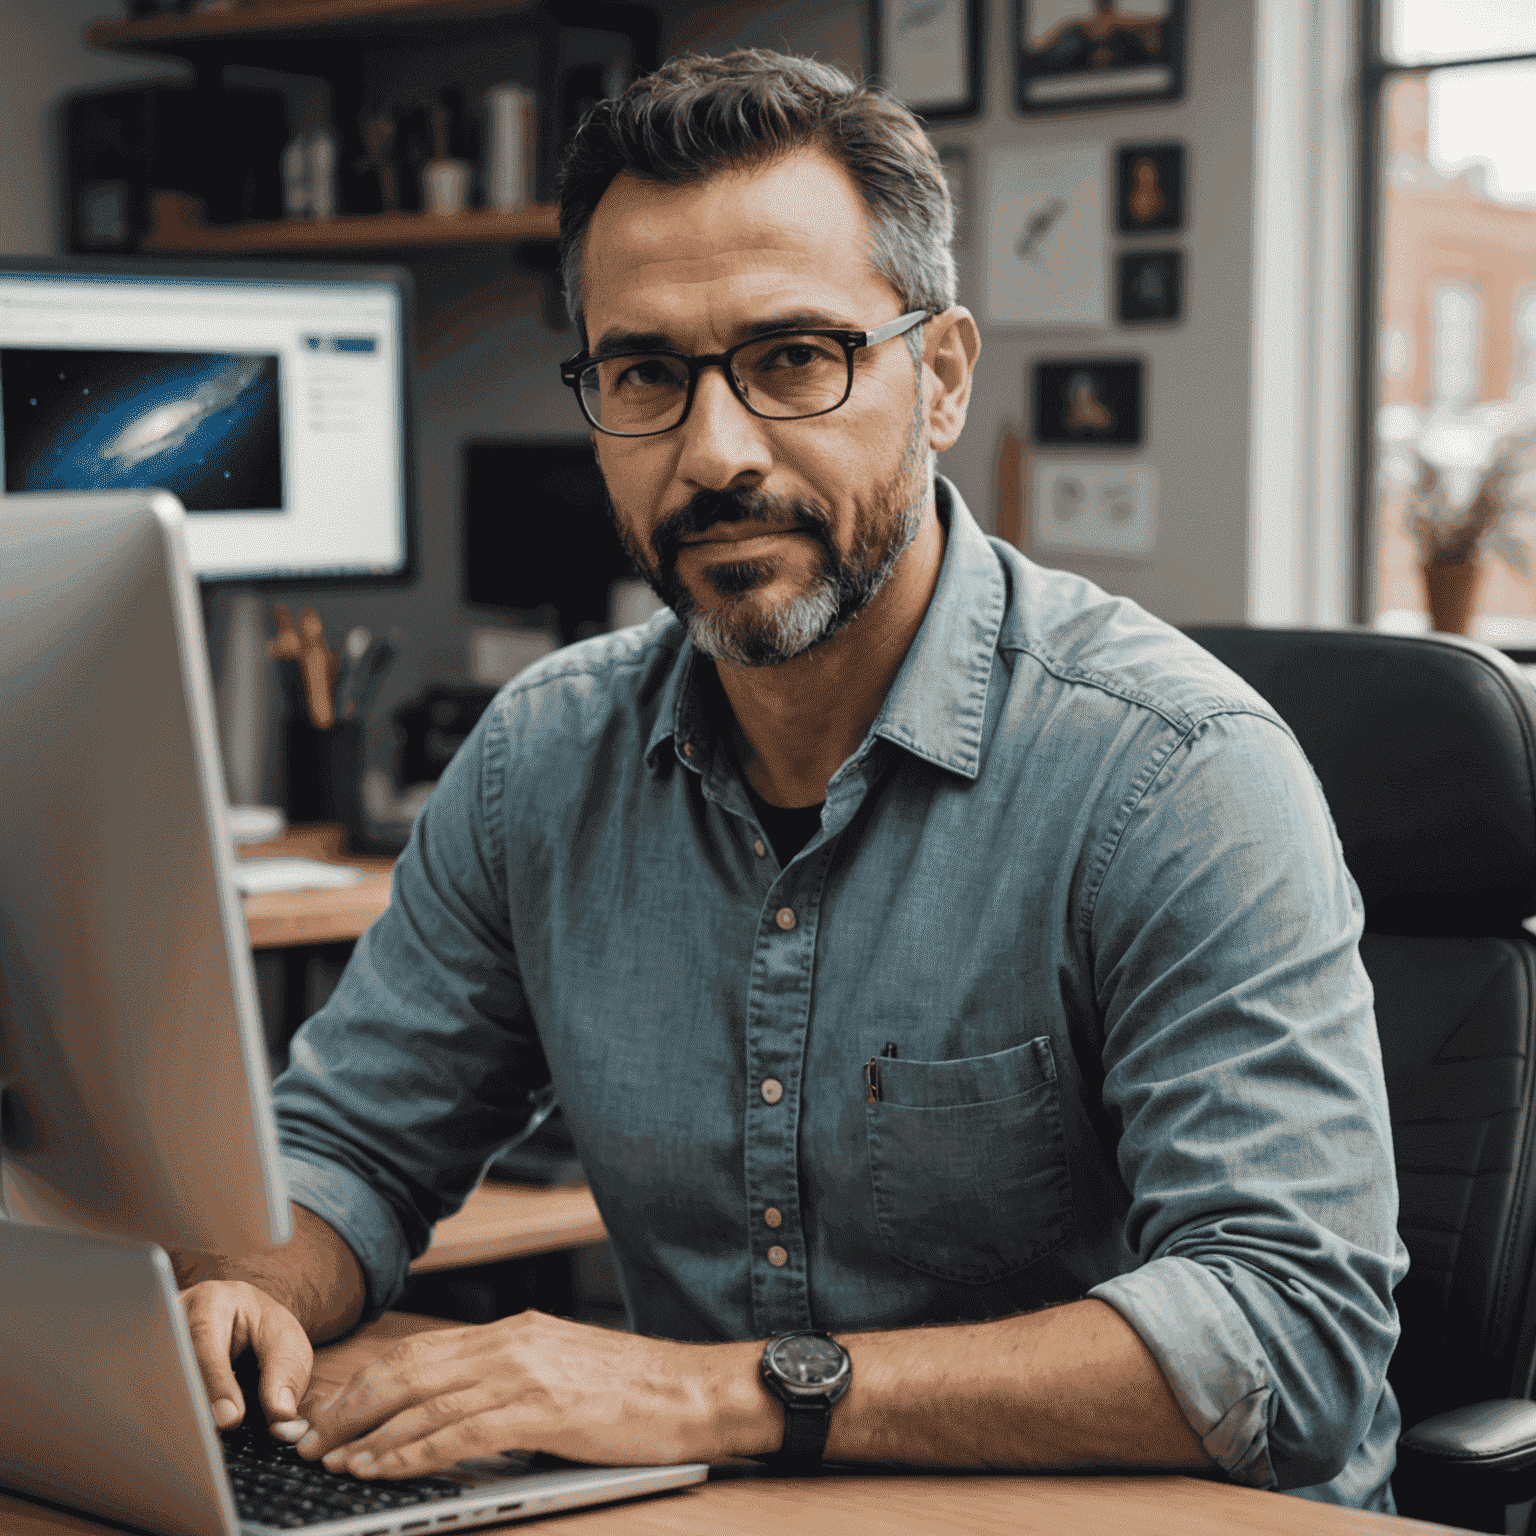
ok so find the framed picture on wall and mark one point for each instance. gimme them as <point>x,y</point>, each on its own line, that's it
<point>929,54</point>
<point>1149,287</point>
<point>1076,54</point>
<point>1046,251</point>
<point>1087,401</point>
<point>1149,188</point>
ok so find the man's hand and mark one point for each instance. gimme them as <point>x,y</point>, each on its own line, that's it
<point>227,1317</point>
<point>537,1383</point>
<point>274,1303</point>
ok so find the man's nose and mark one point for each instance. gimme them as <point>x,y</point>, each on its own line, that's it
<point>723,442</point>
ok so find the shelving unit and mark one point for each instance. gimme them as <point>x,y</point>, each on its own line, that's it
<point>332,39</point>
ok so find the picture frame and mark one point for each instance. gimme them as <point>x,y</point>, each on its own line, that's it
<point>929,54</point>
<point>1150,183</point>
<point>1077,55</point>
<point>1046,257</point>
<point>1088,402</point>
<point>1149,287</point>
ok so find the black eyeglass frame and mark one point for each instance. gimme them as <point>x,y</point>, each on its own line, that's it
<point>572,368</point>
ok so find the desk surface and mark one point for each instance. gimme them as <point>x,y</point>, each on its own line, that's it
<point>275,919</point>
<point>513,1221</point>
<point>744,1501</point>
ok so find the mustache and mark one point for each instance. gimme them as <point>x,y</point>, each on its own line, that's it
<point>707,509</point>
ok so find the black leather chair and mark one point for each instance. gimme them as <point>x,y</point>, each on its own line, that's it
<point>1426,751</point>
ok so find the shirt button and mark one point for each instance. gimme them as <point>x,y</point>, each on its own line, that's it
<point>772,1090</point>
<point>777,1257</point>
<point>772,1216</point>
<point>760,849</point>
<point>785,918</point>
<point>687,749</point>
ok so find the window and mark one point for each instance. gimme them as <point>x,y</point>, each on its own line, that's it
<point>1449,87</point>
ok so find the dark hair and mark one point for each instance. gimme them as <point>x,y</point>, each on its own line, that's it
<point>699,114</point>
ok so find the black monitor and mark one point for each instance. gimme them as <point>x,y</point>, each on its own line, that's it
<point>538,536</point>
<point>273,401</point>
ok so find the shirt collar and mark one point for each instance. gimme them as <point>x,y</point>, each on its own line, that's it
<point>937,704</point>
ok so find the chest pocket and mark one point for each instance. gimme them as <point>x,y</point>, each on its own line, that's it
<point>969,1162</point>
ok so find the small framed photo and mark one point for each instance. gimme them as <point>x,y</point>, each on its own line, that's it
<point>1149,287</point>
<point>929,54</point>
<point>1149,188</point>
<point>1076,54</point>
<point>955,162</point>
<point>1090,400</point>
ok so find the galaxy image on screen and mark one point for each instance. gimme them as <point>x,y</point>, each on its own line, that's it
<point>204,425</point>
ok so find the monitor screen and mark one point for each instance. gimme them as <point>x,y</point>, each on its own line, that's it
<point>273,406</point>
<point>537,533</point>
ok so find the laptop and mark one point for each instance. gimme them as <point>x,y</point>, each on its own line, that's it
<point>136,1107</point>
<point>103,1410</point>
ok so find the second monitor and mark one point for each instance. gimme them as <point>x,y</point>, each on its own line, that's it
<point>537,534</point>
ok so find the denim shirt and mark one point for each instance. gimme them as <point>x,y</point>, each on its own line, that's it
<point>1077,873</point>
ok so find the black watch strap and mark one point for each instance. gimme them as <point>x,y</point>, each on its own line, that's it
<point>805,1433</point>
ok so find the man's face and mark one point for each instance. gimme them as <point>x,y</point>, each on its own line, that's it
<point>765,537</point>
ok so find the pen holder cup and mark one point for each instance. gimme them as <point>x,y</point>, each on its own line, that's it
<point>323,775</point>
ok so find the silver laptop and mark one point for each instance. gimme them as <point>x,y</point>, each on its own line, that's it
<point>103,1410</point>
<point>137,1108</point>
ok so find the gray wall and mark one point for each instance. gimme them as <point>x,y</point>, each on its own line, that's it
<point>488,358</point>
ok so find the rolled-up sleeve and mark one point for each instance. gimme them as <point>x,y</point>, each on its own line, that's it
<point>425,1061</point>
<point>1242,1061</point>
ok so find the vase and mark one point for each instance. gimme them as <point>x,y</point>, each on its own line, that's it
<point>1451,586</point>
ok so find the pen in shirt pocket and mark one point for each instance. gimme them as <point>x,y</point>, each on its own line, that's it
<point>888,1052</point>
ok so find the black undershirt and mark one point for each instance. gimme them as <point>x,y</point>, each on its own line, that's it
<point>789,828</point>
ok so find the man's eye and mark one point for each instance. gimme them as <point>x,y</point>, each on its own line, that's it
<point>648,372</point>
<point>794,354</point>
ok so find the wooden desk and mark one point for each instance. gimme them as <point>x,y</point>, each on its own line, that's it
<point>276,919</point>
<point>513,1221</point>
<point>742,1500</point>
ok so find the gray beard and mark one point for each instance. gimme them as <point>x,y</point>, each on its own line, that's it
<point>838,593</point>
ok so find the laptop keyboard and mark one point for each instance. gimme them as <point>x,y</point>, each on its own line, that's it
<point>274,1485</point>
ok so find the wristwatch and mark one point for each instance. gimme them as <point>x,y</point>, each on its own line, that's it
<point>807,1372</point>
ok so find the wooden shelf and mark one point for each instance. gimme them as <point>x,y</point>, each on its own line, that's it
<point>269,21</point>
<point>353,232</point>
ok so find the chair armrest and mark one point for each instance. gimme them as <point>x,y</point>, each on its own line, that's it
<point>1493,1437</point>
<point>1463,1467</point>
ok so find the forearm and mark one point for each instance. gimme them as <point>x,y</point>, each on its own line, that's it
<point>1069,1387</point>
<point>314,1275</point>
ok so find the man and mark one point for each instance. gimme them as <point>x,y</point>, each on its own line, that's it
<point>912,936</point>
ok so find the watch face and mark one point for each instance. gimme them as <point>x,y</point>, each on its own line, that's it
<point>808,1363</point>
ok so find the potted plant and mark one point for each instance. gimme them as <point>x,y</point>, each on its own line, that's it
<point>1451,540</point>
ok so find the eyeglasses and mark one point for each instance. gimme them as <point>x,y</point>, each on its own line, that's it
<point>784,376</point>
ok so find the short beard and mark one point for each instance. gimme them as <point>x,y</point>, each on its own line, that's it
<point>841,589</point>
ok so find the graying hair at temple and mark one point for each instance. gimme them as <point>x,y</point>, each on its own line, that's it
<point>698,115</point>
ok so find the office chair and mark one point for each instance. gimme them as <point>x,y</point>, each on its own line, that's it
<point>1426,751</point>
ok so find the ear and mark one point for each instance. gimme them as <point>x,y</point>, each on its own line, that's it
<point>951,345</point>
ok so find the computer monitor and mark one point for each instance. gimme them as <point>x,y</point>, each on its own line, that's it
<point>135,1098</point>
<point>537,533</point>
<point>272,401</point>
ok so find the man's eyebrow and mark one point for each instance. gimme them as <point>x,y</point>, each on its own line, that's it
<point>617,340</point>
<point>632,341</point>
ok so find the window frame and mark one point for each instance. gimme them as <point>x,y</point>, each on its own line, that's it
<point>1377,72</point>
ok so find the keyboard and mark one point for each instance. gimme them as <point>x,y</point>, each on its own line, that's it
<point>274,1485</point>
